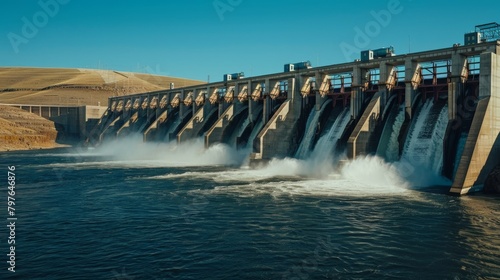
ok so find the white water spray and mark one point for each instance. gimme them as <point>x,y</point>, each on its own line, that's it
<point>297,177</point>
<point>424,146</point>
<point>326,144</point>
<point>191,153</point>
<point>392,152</point>
<point>258,127</point>
<point>311,128</point>
<point>316,175</point>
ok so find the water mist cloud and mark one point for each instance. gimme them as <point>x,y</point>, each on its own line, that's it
<point>191,153</point>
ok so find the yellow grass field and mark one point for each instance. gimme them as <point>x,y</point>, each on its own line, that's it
<point>53,86</point>
<point>21,130</point>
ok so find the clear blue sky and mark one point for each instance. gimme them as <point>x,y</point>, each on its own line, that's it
<point>197,38</point>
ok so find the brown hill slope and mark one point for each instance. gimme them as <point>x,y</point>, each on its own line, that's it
<point>21,130</point>
<point>47,86</point>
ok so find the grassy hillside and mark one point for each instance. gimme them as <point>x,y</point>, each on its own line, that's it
<point>20,130</point>
<point>46,86</point>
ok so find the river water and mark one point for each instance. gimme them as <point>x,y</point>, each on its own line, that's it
<point>126,211</point>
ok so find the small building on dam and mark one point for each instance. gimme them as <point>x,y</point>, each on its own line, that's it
<point>438,111</point>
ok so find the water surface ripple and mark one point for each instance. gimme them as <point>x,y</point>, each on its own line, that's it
<point>87,217</point>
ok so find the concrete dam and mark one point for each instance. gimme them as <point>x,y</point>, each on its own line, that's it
<point>435,111</point>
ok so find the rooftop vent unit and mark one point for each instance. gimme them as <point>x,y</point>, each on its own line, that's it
<point>297,66</point>
<point>472,38</point>
<point>235,76</point>
<point>382,52</point>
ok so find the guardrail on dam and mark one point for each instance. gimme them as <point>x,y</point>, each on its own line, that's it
<point>438,109</point>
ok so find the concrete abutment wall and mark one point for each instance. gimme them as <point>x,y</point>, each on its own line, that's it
<point>482,142</point>
<point>72,122</point>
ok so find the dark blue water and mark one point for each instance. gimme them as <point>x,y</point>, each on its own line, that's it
<point>86,216</point>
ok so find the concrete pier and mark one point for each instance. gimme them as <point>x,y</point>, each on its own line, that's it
<point>359,141</point>
<point>278,137</point>
<point>216,133</point>
<point>482,149</point>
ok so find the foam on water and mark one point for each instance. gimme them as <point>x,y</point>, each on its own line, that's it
<point>293,176</point>
<point>319,173</point>
<point>380,179</point>
<point>343,223</point>
<point>275,168</point>
<point>373,171</point>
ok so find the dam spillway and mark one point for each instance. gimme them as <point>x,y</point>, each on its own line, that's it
<point>438,110</point>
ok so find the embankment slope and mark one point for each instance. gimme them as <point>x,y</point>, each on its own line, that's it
<point>21,130</point>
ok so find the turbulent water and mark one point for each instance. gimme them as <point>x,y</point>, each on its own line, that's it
<point>392,151</point>
<point>326,145</point>
<point>311,128</point>
<point>424,144</point>
<point>144,211</point>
